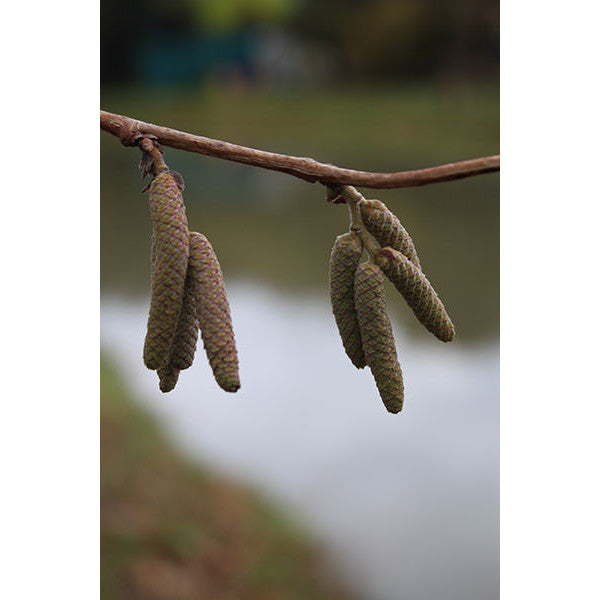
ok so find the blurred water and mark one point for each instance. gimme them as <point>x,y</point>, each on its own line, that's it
<point>407,506</point>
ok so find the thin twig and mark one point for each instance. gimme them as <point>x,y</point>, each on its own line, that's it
<point>353,199</point>
<point>128,129</point>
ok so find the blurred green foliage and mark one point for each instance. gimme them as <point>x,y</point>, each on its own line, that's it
<point>396,40</point>
<point>228,14</point>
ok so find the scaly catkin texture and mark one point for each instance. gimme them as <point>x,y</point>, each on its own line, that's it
<point>169,266</point>
<point>386,228</point>
<point>344,260</point>
<point>215,318</point>
<point>377,335</point>
<point>186,338</point>
<point>418,293</point>
<point>167,378</point>
<point>167,375</point>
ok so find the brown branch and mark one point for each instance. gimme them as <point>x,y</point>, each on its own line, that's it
<point>128,130</point>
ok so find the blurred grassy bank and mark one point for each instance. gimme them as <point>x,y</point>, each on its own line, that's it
<point>172,531</point>
<point>274,229</point>
<point>381,128</point>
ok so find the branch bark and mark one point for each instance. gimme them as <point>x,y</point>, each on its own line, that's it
<point>128,131</point>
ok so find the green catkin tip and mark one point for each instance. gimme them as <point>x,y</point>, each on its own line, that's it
<point>343,262</point>
<point>214,316</point>
<point>418,293</point>
<point>386,228</point>
<point>377,335</point>
<point>167,378</point>
<point>170,249</point>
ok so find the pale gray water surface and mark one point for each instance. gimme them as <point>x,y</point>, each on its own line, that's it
<point>406,506</point>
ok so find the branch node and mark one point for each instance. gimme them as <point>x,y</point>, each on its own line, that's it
<point>152,162</point>
<point>129,132</point>
<point>334,194</point>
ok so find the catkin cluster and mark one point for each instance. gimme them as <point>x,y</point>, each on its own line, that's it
<point>358,298</point>
<point>187,294</point>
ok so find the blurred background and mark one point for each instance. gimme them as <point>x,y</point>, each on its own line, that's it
<point>301,485</point>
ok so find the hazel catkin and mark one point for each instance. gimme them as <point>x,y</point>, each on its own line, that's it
<point>167,378</point>
<point>167,375</point>
<point>386,228</point>
<point>418,293</point>
<point>168,267</point>
<point>343,262</point>
<point>214,316</point>
<point>377,335</point>
<point>186,337</point>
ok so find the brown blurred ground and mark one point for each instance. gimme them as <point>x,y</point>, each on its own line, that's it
<point>173,531</point>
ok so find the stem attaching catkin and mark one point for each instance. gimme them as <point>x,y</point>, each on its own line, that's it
<point>418,292</point>
<point>386,228</point>
<point>169,267</point>
<point>377,335</point>
<point>345,257</point>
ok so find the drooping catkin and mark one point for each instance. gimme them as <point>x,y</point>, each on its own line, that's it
<point>167,378</point>
<point>377,335</point>
<point>418,293</point>
<point>344,260</point>
<point>186,338</point>
<point>386,228</point>
<point>215,317</point>
<point>169,266</point>
<point>167,375</point>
